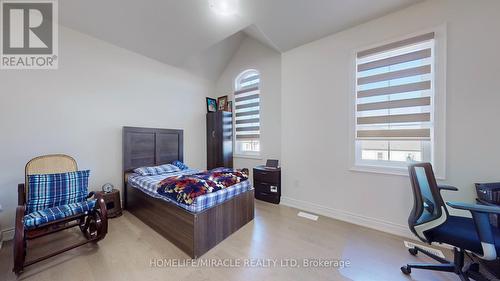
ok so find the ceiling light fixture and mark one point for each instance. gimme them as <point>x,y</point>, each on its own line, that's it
<point>224,7</point>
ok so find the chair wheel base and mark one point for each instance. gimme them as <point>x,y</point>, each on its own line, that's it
<point>413,251</point>
<point>406,270</point>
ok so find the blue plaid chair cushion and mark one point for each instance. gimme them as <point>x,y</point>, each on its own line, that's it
<point>52,190</point>
<point>38,218</point>
<point>157,170</point>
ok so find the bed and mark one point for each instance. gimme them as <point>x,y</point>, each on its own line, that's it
<point>194,229</point>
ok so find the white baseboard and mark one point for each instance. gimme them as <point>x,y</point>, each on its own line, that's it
<point>373,223</point>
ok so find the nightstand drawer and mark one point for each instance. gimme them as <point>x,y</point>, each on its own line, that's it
<point>266,176</point>
<point>266,187</point>
<point>271,198</point>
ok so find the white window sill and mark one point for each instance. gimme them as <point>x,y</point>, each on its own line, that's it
<point>396,171</point>
<point>256,157</point>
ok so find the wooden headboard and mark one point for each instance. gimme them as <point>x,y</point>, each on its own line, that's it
<point>151,147</point>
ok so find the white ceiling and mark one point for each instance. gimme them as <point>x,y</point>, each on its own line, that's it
<point>186,33</point>
<point>210,63</point>
<point>291,23</point>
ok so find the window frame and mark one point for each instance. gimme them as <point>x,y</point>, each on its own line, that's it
<point>236,82</point>
<point>438,137</point>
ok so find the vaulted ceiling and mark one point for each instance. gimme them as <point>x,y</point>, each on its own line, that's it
<point>188,34</point>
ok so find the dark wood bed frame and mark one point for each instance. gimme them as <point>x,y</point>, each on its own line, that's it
<point>194,234</point>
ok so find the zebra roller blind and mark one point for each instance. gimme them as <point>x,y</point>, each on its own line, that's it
<point>247,112</point>
<point>394,90</point>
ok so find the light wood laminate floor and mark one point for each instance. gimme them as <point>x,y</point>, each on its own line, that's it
<point>276,233</point>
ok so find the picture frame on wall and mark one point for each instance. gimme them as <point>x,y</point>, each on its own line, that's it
<point>211,105</point>
<point>222,103</point>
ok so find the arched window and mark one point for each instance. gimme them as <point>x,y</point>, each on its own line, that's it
<point>247,113</point>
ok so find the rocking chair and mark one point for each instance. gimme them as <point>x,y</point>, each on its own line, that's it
<point>53,198</point>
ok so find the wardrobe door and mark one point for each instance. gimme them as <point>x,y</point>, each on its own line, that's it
<point>212,140</point>
<point>219,140</point>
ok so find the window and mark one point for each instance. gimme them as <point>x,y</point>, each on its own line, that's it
<point>395,103</point>
<point>247,113</point>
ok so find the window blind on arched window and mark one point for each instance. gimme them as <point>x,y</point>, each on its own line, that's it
<point>247,113</point>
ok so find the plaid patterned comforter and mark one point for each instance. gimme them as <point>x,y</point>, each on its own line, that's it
<point>149,185</point>
<point>186,188</point>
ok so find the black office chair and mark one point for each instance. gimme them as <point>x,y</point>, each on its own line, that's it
<point>430,222</point>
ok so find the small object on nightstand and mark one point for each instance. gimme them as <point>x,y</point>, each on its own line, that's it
<point>272,164</point>
<point>107,187</point>
<point>267,183</point>
<point>113,202</point>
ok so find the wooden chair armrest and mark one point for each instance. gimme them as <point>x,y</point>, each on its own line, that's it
<point>101,204</point>
<point>19,244</point>
<point>20,212</point>
<point>21,194</point>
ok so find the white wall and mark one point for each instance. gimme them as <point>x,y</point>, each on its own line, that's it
<point>80,109</point>
<point>254,55</point>
<point>315,114</point>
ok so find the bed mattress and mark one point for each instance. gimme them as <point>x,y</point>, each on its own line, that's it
<point>149,185</point>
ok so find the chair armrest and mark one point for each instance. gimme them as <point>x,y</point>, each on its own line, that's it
<point>20,212</point>
<point>480,215</point>
<point>19,239</point>
<point>101,204</point>
<point>474,207</point>
<point>21,194</point>
<point>447,187</point>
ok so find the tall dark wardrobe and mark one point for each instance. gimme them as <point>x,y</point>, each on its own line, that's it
<point>219,139</point>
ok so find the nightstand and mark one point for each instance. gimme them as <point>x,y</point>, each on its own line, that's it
<point>113,202</point>
<point>267,183</point>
